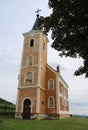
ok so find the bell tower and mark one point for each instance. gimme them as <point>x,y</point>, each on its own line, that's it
<point>31,95</point>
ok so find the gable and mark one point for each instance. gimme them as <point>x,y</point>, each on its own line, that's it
<point>51,74</point>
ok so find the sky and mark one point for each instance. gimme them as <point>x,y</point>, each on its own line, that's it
<point>16,18</point>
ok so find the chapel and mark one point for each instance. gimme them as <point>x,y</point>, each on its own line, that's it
<point>42,92</point>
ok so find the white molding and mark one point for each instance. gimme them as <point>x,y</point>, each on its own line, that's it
<point>28,86</point>
<point>64,112</point>
<point>21,64</point>
<point>43,68</point>
<point>39,58</point>
<point>53,101</point>
<point>32,33</point>
<point>57,95</point>
<point>17,100</point>
<point>49,84</point>
<point>62,81</point>
<point>38,100</point>
<point>23,67</point>
<point>22,104</point>
<point>39,75</point>
<point>42,88</point>
<point>49,67</point>
<point>32,86</point>
<point>32,77</point>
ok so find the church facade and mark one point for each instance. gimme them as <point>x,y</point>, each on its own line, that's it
<point>42,92</point>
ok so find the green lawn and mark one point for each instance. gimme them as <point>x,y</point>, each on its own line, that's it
<point>73,123</point>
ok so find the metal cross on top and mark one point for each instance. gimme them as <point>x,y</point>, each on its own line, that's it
<point>38,10</point>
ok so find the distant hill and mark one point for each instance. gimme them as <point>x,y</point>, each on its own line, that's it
<point>6,106</point>
<point>3,101</point>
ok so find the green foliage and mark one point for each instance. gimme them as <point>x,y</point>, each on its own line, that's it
<point>63,124</point>
<point>6,107</point>
<point>69,25</point>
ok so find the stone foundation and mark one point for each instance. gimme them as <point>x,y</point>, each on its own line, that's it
<point>35,116</point>
<point>18,115</point>
<point>64,116</point>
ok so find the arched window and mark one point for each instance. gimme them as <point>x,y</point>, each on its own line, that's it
<point>50,84</point>
<point>51,102</point>
<point>31,42</point>
<point>29,77</point>
<point>30,61</point>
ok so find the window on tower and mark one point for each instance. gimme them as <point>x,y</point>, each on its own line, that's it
<point>30,61</point>
<point>31,42</point>
<point>29,77</point>
<point>50,84</point>
<point>51,102</point>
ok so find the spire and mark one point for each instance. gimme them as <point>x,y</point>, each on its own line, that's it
<point>36,26</point>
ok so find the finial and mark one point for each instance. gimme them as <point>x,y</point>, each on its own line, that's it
<point>58,68</point>
<point>38,10</point>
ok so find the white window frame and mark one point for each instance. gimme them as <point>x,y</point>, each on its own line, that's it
<point>49,102</point>
<point>49,88</point>
<point>26,77</point>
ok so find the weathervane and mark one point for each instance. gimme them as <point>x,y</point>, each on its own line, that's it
<point>38,10</point>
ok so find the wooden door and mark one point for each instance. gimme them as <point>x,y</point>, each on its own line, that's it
<point>26,109</point>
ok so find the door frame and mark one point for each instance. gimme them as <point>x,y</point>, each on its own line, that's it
<point>23,105</point>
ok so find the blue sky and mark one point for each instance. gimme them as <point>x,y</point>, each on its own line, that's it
<point>18,17</point>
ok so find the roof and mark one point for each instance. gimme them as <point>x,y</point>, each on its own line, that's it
<point>59,76</point>
<point>36,24</point>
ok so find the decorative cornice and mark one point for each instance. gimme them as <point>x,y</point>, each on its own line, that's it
<point>62,80</point>
<point>32,32</point>
<point>49,67</point>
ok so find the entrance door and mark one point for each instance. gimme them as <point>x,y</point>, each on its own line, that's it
<point>26,109</point>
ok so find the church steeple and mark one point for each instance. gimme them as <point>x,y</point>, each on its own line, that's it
<point>36,24</point>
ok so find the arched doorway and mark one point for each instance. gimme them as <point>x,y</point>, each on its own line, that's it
<point>26,109</point>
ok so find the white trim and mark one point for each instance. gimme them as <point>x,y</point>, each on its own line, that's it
<point>21,64</point>
<point>32,77</point>
<point>39,75</point>
<point>22,104</point>
<point>38,100</point>
<point>39,59</point>
<point>32,86</point>
<point>64,112</point>
<point>57,95</point>
<point>53,102</point>
<point>49,84</point>
<point>17,100</point>
<point>28,86</point>
<point>49,67</point>
<point>43,68</point>
<point>30,66</point>
<point>32,33</point>
<point>63,81</point>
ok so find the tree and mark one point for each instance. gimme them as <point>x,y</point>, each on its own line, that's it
<point>69,25</point>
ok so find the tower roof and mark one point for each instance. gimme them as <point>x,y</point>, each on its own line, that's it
<point>36,24</point>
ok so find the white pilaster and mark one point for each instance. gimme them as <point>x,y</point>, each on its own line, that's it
<point>39,75</point>
<point>57,93</point>
<point>17,100</point>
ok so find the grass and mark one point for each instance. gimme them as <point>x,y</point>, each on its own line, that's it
<point>73,123</point>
